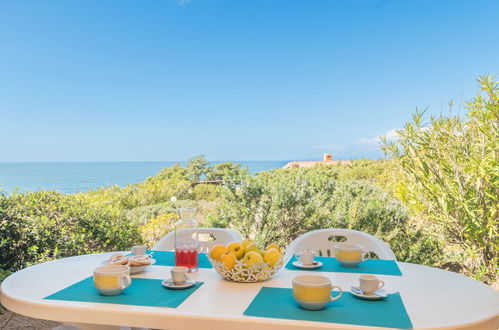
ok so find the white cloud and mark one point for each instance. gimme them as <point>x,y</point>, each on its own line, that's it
<point>390,135</point>
<point>364,147</point>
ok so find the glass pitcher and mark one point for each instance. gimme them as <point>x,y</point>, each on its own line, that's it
<point>187,239</point>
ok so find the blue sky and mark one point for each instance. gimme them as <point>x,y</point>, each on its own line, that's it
<point>87,80</point>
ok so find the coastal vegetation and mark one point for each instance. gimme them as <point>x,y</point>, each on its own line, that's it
<point>449,178</point>
<point>435,200</point>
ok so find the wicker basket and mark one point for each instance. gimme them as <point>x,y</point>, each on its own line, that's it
<point>243,273</point>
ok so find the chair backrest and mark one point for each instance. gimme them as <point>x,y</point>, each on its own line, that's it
<point>322,242</point>
<point>218,235</point>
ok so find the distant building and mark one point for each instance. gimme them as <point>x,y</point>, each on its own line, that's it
<point>327,160</point>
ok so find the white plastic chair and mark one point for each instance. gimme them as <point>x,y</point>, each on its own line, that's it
<point>222,236</point>
<point>319,241</point>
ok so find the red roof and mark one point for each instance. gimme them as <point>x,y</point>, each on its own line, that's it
<point>312,163</point>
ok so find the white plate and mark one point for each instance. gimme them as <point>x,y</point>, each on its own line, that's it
<point>170,285</point>
<point>133,269</point>
<point>138,269</point>
<point>380,294</point>
<point>315,265</point>
<point>133,255</point>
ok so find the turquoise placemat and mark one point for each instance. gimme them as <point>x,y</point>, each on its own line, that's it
<point>279,303</point>
<point>142,292</point>
<point>370,266</point>
<point>167,258</point>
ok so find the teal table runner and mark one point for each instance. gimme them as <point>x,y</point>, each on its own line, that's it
<point>279,303</point>
<point>142,292</point>
<point>370,266</point>
<point>167,258</point>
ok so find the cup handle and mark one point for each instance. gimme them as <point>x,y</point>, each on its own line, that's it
<point>337,297</point>
<point>127,280</point>
<point>381,284</point>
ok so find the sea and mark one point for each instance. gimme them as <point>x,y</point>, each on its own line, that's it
<point>73,177</point>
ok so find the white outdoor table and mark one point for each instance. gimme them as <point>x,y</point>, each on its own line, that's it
<point>434,299</point>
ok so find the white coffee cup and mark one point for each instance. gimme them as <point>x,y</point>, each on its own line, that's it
<point>139,250</point>
<point>313,292</point>
<point>370,283</point>
<point>112,279</point>
<point>306,257</point>
<point>349,255</point>
<point>179,274</point>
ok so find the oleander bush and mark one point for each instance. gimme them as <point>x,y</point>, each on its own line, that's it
<point>45,225</point>
<point>449,177</point>
<point>280,205</point>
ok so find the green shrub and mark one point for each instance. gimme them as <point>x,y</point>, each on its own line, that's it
<point>158,227</point>
<point>197,168</point>
<point>4,274</point>
<point>45,225</point>
<point>206,192</point>
<point>279,206</point>
<point>450,179</point>
<point>225,170</point>
<point>379,172</point>
<point>362,169</point>
<point>143,214</point>
<point>172,181</point>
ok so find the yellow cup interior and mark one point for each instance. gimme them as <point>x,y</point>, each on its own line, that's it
<point>106,281</point>
<point>311,294</point>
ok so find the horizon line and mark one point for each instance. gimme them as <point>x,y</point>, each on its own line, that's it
<point>136,161</point>
<point>176,161</point>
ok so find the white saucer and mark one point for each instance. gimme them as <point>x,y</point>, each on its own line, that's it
<point>380,294</point>
<point>170,285</point>
<point>299,264</point>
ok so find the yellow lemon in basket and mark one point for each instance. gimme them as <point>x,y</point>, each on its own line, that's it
<point>252,258</point>
<point>217,251</point>
<point>251,247</point>
<point>229,260</point>
<point>274,246</point>
<point>236,248</point>
<point>246,242</point>
<point>272,256</point>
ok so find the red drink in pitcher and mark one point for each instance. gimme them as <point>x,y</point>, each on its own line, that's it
<point>187,240</point>
<point>187,258</point>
